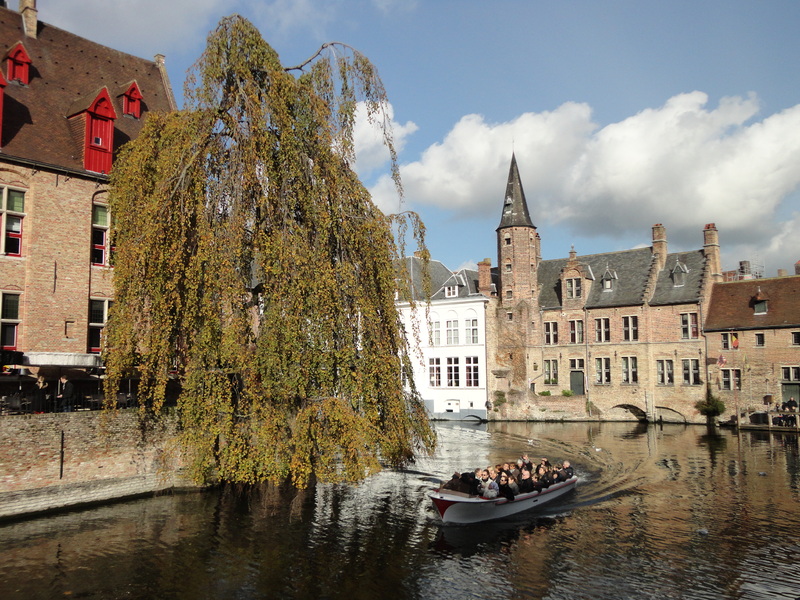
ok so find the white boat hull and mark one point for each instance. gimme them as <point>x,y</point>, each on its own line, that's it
<point>454,508</point>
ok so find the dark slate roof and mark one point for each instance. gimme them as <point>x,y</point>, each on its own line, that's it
<point>441,277</point>
<point>731,305</point>
<point>68,71</point>
<point>515,208</point>
<point>630,272</point>
<point>666,292</point>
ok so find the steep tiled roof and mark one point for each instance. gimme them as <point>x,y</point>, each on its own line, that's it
<point>731,305</point>
<point>630,272</point>
<point>68,71</point>
<point>515,208</point>
<point>466,279</point>
<point>692,264</point>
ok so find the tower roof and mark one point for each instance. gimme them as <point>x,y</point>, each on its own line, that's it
<point>515,208</point>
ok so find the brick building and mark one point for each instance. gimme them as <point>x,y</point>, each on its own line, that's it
<point>613,336</point>
<point>68,105</point>
<point>753,335</point>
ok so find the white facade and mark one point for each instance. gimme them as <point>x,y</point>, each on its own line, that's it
<point>450,364</point>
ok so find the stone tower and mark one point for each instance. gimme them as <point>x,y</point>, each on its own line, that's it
<point>518,251</point>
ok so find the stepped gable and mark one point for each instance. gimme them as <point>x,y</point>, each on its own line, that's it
<point>631,268</point>
<point>732,304</point>
<point>515,208</point>
<point>692,263</point>
<point>65,71</point>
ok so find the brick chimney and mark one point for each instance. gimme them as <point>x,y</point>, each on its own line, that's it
<point>30,17</point>
<point>485,277</point>
<point>711,251</point>
<point>660,245</point>
<point>797,268</point>
<point>782,272</point>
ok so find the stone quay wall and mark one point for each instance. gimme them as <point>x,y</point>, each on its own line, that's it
<point>62,460</point>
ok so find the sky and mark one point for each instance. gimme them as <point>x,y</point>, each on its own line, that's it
<point>621,114</point>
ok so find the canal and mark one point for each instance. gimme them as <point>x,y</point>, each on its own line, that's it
<point>660,512</point>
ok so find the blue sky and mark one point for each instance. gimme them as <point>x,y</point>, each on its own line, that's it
<point>622,114</point>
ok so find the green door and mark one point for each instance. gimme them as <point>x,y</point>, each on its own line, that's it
<point>576,383</point>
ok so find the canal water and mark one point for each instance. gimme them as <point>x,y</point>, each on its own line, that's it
<point>660,512</point>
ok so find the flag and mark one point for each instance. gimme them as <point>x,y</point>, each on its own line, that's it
<point>721,361</point>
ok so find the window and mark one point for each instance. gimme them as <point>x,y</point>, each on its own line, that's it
<point>98,316</point>
<point>132,101</point>
<point>630,329</point>
<point>791,373</point>
<point>691,371</point>
<point>435,372</point>
<point>760,340</point>
<point>573,287</point>
<point>509,316</point>
<point>507,267</point>
<point>731,379</point>
<point>436,333</point>
<point>602,330</point>
<point>630,373</point>
<point>576,363</point>
<point>452,372</point>
<point>472,331</point>
<point>100,222</point>
<point>473,378</point>
<point>760,307</point>
<point>451,291</point>
<point>19,65</point>
<point>551,371</point>
<point>602,368</point>
<point>509,294</point>
<point>13,212</point>
<point>99,134</point>
<point>507,240</point>
<point>9,320</point>
<point>576,332</point>
<point>452,332</point>
<point>679,275</point>
<point>550,332</point>
<point>730,341</point>
<point>689,329</point>
<point>796,338</point>
<point>664,372</point>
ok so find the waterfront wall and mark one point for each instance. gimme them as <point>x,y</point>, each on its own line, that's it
<point>53,461</point>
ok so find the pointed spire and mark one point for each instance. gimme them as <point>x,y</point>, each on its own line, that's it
<point>515,208</point>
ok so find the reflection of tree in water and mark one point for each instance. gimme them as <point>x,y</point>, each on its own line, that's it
<point>716,444</point>
<point>790,444</point>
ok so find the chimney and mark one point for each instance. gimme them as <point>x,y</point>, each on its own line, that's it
<point>797,268</point>
<point>660,245</point>
<point>711,251</point>
<point>30,18</point>
<point>782,272</point>
<point>485,277</point>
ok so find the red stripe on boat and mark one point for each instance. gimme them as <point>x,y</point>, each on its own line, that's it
<point>442,505</point>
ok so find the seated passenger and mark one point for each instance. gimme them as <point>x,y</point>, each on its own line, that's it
<point>488,486</point>
<point>526,483</point>
<point>565,472</point>
<point>505,489</point>
<point>513,484</point>
<point>469,483</point>
<point>454,483</point>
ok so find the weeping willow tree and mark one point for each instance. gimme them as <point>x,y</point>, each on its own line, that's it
<point>252,263</point>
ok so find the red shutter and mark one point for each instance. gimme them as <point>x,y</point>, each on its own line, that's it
<point>99,144</point>
<point>18,65</point>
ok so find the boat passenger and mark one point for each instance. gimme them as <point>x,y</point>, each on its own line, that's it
<point>525,483</point>
<point>527,463</point>
<point>454,483</point>
<point>505,489</point>
<point>489,487</point>
<point>513,484</point>
<point>565,472</point>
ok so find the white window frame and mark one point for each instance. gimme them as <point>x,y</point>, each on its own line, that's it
<point>8,219</point>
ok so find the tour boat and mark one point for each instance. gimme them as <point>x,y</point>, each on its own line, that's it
<point>457,507</point>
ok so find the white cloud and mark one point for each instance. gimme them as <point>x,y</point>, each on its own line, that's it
<point>682,164</point>
<point>371,152</point>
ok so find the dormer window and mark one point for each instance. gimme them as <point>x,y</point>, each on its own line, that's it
<point>759,303</point>
<point>608,280</point>
<point>451,291</point>
<point>132,101</point>
<point>678,274</point>
<point>2,95</point>
<point>99,134</point>
<point>19,65</point>
<point>573,287</point>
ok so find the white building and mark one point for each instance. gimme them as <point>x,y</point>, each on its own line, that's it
<point>450,362</point>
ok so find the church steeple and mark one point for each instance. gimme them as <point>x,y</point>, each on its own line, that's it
<point>517,244</point>
<point>515,207</point>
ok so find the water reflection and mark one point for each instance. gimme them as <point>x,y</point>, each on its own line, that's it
<point>669,511</point>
